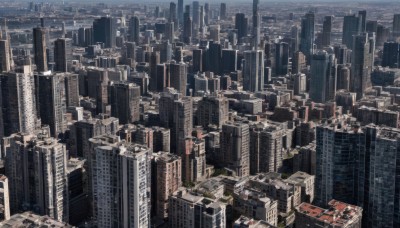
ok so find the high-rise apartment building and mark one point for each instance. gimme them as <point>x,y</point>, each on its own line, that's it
<point>124,99</point>
<point>178,76</point>
<point>267,147</point>
<point>167,178</point>
<point>212,110</point>
<point>4,198</point>
<point>235,147</point>
<point>82,131</point>
<point>18,103</point>
<point>45,192</point>
<point>50,90</point>
<point>121,179</point>
<point>338,148</point>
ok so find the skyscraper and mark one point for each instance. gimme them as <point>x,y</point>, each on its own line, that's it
<point>39,47</point>
<point>307,35</point>
<point>62,54</point>
<point>187,26</point>
<point>229,60</point>
<point>327,31</point>
<point>5,56</point>
<point>256,24</point>
<point>167,179</point>
<point>351,27</point>
<point>281,58</point>
<point>323,77</point>
<point>104,31</point>
<point>241,24</point>
<point>253,72</point>
<point>154,61</point>
<point>180,12</point>
<point>121,178</point>
<point>222,11</point>
<point>45,192</point>
<point>391,55</point>
<point>134,30</point>
<point>337,152</point>
<point>19,104</point>
<point>176,113</point>
<point>196,16</point>
<point>178,76</point>
<point>235,147</point>
<point>173,13</point>
<point>124,99</point>
<point>362,15</point>
<point>50,92</point>
<point>396,25</point>
<point>362,63</point>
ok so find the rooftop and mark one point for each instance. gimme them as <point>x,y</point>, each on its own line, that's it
<point>338,214</point>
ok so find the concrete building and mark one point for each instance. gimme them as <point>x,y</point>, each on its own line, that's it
<point>39,48</point>
<point>105,31</point>
<point>267,147</point>
<point>62,54</point>
<point>82,131</point>
<point>178,76</point>
<point>5,56</point>
<point>323,77</point>
<point>124,99</point>
<point>189,211</point>
<point>287,195</point>
<point>362,62</point>
<point>254,204</point>
<point>306,181</point>
<point>235,147</point>
<point>176,113</point>
<point>253,71</point>
<point>307,35</point>
<point>78,192</point>
<point>123,168</point>
<point>29,219</point>
<point>46,192</point>
<point>338,215</point>
<point>4,199</point>
<point>212,110</point>
<point>167,169</point>
<point>19,104</point>
<point>50,90</point>
<point>338,145</point>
